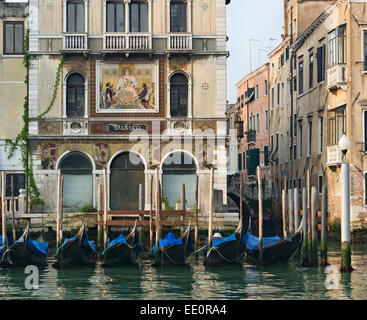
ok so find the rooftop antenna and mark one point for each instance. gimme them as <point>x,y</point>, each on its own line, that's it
<point>261,50</point>
<point>251,53</point>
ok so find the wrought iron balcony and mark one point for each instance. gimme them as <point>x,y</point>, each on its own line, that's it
<point>127,41</point>
<point>75,41</point>
<point>251,136</point>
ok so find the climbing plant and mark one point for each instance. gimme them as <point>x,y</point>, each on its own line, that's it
<point>21,141</point>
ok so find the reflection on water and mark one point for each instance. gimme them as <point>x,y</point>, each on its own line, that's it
<point>193,282</point>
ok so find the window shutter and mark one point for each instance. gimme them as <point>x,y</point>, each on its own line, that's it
<point>244,160</point>
<point>266,155</point>
<point>319,64</point>
<point>239,162</point>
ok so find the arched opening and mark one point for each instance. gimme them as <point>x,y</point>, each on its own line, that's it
<point>77,171</point>
<point>75,95</point>
<point>127,172</point>
<point>179,95</point>
<point>179,168</point>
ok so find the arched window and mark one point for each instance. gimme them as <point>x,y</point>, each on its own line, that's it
<point>76,169</point>
<point>75,96</point>
<point>178,16</point>
<point>115,16</point>
<point>75,16</point>
<point>138,16</point>
<point>179,95</point>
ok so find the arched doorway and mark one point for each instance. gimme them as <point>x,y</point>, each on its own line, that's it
<point>77,171</point>
<point>179,168</point>
<point>126,175</point>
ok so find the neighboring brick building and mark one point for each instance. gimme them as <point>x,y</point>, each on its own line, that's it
<point>253,99</point>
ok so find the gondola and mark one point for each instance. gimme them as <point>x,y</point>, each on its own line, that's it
<point>26,251</point>
<point>173,251</point>
<point>229,250</point>
<point>122,250</point>
<point>77,250</point>
<point>275,249</point>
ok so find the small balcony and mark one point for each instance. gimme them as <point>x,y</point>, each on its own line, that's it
<point>239,127</point>
<point>251,136</point>
<point>75,41</point>
<point>127,42</point>
<point>336,77</point>
<point>334,156</point>
<point>179,42</point>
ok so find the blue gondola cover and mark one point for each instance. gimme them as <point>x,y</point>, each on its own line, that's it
<point>251,242</point>
<point>35,246</point>
<point>85,242</point>
<point>1,244</point>
<point>169,240</point>
<point>219,240</point>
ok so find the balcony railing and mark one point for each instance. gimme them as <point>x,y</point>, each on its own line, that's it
<point>179,42</point>
<point>251,136</point>
<point>336,76</point>
<point>75,41</point>
<point>123,41</point>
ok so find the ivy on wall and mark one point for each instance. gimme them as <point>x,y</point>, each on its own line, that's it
<point>21,140</point>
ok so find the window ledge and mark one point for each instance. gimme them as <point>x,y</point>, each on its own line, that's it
<point>12,56</point>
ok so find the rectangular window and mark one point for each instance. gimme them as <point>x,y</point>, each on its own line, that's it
<point>281,146</point>
<point>365,189</point>
<point>282,102</point>
<point>300,140</point>
<point>287,53</point>
<point>115,12</point>
<point>320,184</point>
<point>266,155</point>
<point>272,97</point>
<point>265,87</point>
<point>75,16</point>
<point>309,149</point>
<point>244,160</point>
<point>321,63</point>
<point>138,17</point>
<point>337,47</point>
<point>13,37</point>
<point>295,84</point>
<point>178,16</point>
<point>271,143</point>
<point>239,162</point>
<point>365,50</point>
<point>257,123</point>
<point>295,125</point>
<point>19,183</point>
<point>336,125</point>
<point>256,92</point>
<point>294,152</point>
<point>278,94</point>
<point>310,83</point>
<point>266,120</point>
<point>321,134</point>
<point>300,77</point>
<point>365,130</point>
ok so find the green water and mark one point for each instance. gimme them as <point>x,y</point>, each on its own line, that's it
<point>192,282</point>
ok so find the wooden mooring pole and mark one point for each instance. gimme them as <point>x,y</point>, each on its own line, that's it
<point>58,208</point>
<point>151,212</point>
<point>290,211</point>
<point>324,223</point>
<point>305,254</point>
<point>12,208</point>
<point>183,203</point>
<point>157,207</point>
<point>61,208</point>
<point>3,218</point>
<point>99,217</point>
<point>141,208</point>
<point>196,214</point>
<point>296,209</point>
<point>260,200</point>
<point>314,249</point>
<point>284,213</point>
<point>309,222</point>
<point>211,195</point>
<point>105,213</point>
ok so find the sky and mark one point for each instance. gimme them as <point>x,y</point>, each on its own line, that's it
<point>250,19</point>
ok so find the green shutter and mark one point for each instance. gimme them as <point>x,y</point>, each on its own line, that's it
<point>266,155</point>
<point>239,162</point>
<point>254,161</point>
<point>244,160</point>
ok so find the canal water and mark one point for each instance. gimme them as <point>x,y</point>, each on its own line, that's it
<point>195,281</point>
